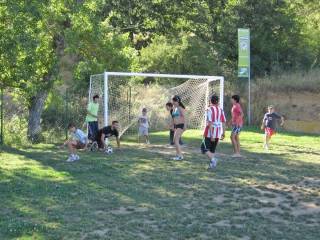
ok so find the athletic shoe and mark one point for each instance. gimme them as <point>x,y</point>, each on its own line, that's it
<point>76,157</point>
<point>212,164</point>
<point>71,158</point>
<point>147,142</point>
<point>266,147</point>
<point>177,158</point>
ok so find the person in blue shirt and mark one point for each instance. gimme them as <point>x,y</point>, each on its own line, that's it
<point>78,140</point>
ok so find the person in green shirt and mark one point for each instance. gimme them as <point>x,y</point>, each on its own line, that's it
<point>92,118</point>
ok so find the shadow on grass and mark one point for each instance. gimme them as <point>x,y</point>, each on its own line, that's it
<point>74,198</point>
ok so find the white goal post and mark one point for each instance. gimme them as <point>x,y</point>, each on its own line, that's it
<point>101,84</point>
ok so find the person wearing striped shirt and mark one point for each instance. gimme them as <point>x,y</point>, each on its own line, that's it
<point>214,130</point>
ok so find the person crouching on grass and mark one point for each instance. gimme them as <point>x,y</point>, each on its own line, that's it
<point>214,130</point>
<point>144,126</point>
<point>269,125</point>
<point>78,140</point>
<point>178,115</point>
<point>236,124</point>
<point>106,132</point>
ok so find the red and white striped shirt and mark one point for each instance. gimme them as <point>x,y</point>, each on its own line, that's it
<point>214,117</point>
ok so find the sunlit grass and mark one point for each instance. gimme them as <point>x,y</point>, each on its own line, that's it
<point>140,194</point>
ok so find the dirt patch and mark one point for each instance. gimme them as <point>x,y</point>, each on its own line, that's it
<point>128,210</point>
<point>227,223</point>
<point>309,182</point>
<point>101,233</point>
<point>282,198</point>
<point>187,206</point>
<point>244,238</point>
<point>219,199</point>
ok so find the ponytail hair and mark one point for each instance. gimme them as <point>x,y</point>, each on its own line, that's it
<point>176,98</point>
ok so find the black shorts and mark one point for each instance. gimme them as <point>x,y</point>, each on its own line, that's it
<point>208,145</point>
<point>180,125</point>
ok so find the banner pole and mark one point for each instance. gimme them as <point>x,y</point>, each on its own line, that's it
<point>1,113</point>
<point>249,99</point>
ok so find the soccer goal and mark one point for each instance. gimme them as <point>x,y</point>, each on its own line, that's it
<point>123,95</point>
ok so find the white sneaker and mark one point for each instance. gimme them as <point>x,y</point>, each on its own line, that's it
<point>177,158</point>
<point>147,142</point>
<point>266,147</point>
<point>212,164</point>
<point>236,155</point>
<point>76,157</point>
<point>71,158</point>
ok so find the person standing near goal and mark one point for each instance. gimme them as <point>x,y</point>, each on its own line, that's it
<point>169,107</point>
<point>144,126</point>
<point>236,124</point>
<point>92,118</point>
<point>179,122</point>
<point>214,130</point>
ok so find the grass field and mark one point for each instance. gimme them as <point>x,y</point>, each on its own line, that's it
<point>140,194</point>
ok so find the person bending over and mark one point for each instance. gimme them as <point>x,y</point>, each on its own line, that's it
<point>106,132</point>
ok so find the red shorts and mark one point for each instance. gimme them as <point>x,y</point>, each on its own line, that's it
<point>269,131</point>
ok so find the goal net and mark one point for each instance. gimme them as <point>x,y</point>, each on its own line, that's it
<point>124,95</point>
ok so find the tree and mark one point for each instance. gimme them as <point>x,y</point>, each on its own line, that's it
<point>36,37</point>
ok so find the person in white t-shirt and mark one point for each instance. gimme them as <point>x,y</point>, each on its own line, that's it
<point>144,126</point>
<point>78,140</point>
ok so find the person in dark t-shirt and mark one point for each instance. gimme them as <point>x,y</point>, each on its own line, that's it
<point>107,132</point>
<point>269,124</point>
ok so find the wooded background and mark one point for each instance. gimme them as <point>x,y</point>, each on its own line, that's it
<point>49,46</point>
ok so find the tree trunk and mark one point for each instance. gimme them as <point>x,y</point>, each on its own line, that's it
<point>38,101</point>
<point>35,111</point>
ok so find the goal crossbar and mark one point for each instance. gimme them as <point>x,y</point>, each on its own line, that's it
<point>133,74</point>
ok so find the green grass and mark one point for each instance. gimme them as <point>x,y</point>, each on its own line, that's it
<point>140,194</point>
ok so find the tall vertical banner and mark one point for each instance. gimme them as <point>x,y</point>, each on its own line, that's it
<point>244,62</point>
<point>244,52</point>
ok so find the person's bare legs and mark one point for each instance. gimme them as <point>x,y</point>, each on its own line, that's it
<point>71,144</point>
<point>266,141</point>
<point>177,135</point>
<point>146,138</point>
<point>210,155</point>
<point>237,142</point>
<point>232,137</point>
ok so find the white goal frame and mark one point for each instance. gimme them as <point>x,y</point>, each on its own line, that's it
<point>106,76</point>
